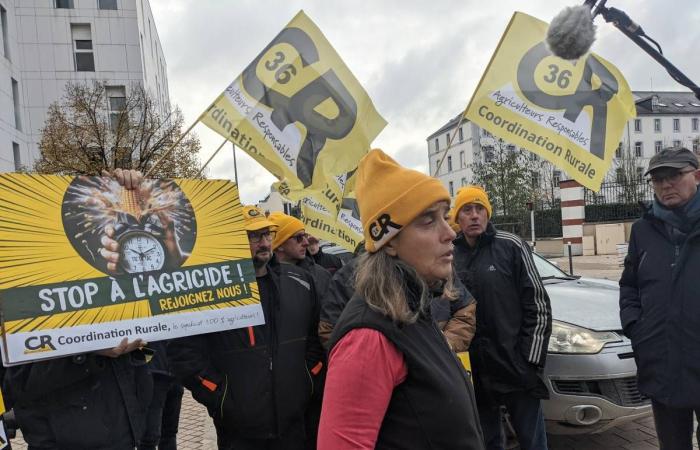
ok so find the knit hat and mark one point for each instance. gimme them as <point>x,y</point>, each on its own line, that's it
<point>452,220</point>
<point>254,219</point>
<point>472,194</point>
<point>287,226</point>
<point>390,197</point>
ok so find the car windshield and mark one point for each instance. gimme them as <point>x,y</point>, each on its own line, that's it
<point>547,270</point>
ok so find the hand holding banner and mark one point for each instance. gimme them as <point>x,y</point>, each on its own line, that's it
<point>571,113</point>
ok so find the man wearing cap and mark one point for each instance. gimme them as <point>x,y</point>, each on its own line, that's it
<point>660,298</point>
<point>513,323</point>
<point>329,262</point>
<point>255,381</point>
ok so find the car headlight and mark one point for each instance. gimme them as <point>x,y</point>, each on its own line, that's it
<point>567,338</point>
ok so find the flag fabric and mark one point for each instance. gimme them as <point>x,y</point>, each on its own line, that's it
<point>339,223</point>
<point>298,110</point>
<point>571,113</point>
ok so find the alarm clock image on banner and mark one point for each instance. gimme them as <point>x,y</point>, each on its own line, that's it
<point>154,225</point>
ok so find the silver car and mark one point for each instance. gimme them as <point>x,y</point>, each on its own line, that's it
<point>590,370</point>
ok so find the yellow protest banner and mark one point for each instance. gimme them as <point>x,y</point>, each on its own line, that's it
<point>181,265</point>
<point>339,223</point>
<point>571,113</point>
<point>298,110</point>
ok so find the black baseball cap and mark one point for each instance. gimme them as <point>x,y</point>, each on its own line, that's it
<point>674,157</point>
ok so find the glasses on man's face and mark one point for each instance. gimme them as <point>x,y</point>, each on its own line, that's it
<point>673,178</point>
<point>257,236</point>
<point>300,237</point>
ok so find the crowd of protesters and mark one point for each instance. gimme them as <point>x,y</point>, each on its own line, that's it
<point>371,354</point>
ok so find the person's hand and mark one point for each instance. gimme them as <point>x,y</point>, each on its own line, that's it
<point>130,179</point>
<point>110,249</point>
<point>172,249</point>
<point>123,348</point>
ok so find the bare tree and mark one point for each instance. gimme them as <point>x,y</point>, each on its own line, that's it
<point>89,130</point>
<point>628,175</point>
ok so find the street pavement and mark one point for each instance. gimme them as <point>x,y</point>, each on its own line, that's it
<point>197,432</point>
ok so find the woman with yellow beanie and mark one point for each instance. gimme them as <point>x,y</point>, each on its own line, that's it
<point>393,381</point>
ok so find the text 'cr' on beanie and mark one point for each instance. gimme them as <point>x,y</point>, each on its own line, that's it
<point>390,197</point>
<point>472,194</point>
<point>287,226</point>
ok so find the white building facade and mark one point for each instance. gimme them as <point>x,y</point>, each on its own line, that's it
<point>664,119</point>
<point>49,43</point>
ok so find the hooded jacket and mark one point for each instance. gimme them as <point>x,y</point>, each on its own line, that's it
<point>513,316</point>
<point>660,303</point>
<point>256,382</point>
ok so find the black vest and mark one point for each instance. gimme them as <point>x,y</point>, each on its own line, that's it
<point>434,408</point>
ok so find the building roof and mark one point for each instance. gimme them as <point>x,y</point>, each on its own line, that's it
<point>448,126</point>
<point>666,103</point>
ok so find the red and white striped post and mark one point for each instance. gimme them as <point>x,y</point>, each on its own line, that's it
<point>573,214</point>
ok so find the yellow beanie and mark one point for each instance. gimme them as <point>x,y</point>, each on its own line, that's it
<point>472,194</point>
<point>452,221</point>
<point>390,197</point>
<point>287,226</point>
<point>254,219</point>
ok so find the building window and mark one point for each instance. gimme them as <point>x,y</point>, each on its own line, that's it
<point>116,96</point>
<point>461,135</point>
<point>640,173</point>
<point>64,4</point>
<point>107,4</point>
<point>437,144</point>
<point>695,123</point>
<point>676,125</point>
<point>620,175</point>
<point>658,145</point>
<point>449,164</point>
<point>3,24</point>
<point>82,47</point>
<point>618,151</point>
<point>638,149</point>
<point>464,181</point>
<point>488,154</point>
<point>452,189</point>
<point>535,176</point>
<point>15,104</point>
<point>17,156</point>
<point>556,177</point>
<point>447,139</point>
<point>638,125</point>
<point>696,144</point>
<point>677,143</point>
<point>462,163</point>
<point>657,125</point>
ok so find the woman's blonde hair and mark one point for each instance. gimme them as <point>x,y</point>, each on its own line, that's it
<point>383,281</point>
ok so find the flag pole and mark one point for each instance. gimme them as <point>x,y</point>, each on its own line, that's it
<point>235,165</point>
<point>449,144</point>
<point>210,158</point>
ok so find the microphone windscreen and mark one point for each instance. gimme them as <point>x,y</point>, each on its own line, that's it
<point>571,33</point>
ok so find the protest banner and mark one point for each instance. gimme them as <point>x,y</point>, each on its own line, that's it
<point>184,264</point>
<point>338,223</point>
<point>571,113</point>
<point>298,110</point>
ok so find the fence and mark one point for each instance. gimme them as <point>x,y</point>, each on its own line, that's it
<point>617,201</point>
<point>547,223</point>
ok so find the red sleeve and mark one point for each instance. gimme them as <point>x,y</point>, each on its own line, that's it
<point>363,369</point>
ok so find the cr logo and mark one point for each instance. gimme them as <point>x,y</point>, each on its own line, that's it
<point>42,343</point>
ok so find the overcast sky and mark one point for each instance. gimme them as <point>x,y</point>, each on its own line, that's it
<point>419,60</point>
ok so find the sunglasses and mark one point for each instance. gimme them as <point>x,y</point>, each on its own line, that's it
<point>257,236</point>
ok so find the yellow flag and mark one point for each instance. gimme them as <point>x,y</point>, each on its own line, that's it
<point>298,110</point>
<point>338,223</point>
<point>571,113</point>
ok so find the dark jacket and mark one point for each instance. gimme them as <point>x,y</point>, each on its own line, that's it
<point>83,402</point>
<point>660,309</point>
<point>513,314</point>
<point>329,262</point>
<point>455,318</point>
<point>434,407</point>
<point>256,381</point>
<point>322,277</point>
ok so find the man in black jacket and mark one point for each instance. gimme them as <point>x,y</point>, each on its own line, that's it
<point>513,323</point>
<point>256,382</point>
<point>329,262</point>
<point>660,300</point>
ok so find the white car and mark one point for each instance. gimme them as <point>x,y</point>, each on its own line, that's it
<point>590,372</point>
